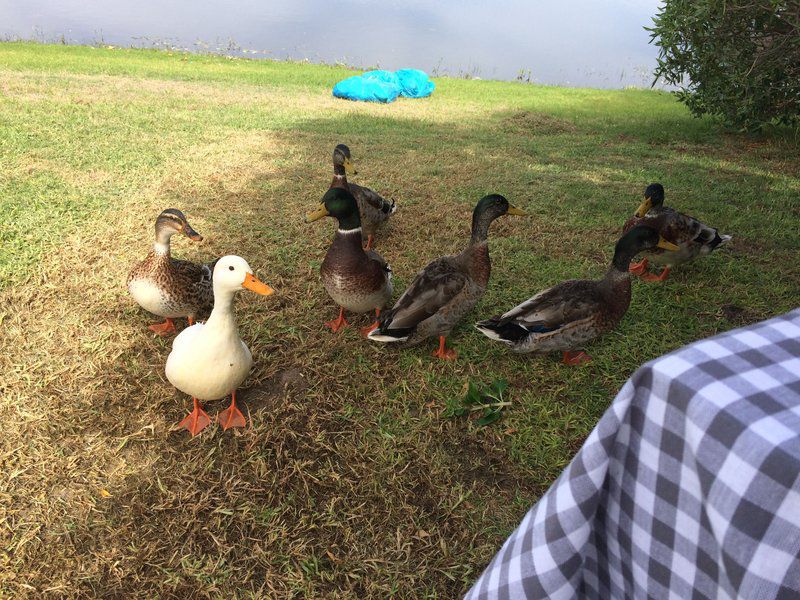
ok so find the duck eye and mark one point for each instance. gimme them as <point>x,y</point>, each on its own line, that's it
<point>230,268</point>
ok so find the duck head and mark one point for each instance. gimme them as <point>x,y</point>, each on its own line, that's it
<point>487,210</point>
<point>342,162</point>
<point>653,197</point>
<point>172,221</point>
<point>341,205</point>
<point>232,273</point>
<point>638,239</point>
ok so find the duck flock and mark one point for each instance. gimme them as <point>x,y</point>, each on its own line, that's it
<point>209,360</point>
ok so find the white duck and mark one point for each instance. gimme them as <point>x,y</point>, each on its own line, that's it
<point>209,360</point>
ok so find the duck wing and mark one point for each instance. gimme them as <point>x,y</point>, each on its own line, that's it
<point>551,309</point>
<point>196,280</point>
<point>372,204</point>
<point>432,289</point>
<point>689,233</point>
<point>380,260</point>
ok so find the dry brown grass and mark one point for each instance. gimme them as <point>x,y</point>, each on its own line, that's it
<point>315,499</point>
<point>349,483</point>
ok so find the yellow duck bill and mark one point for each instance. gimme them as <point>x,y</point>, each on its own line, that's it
<point>317,214</point>
<point>662,243</point>
<point>644,208</point>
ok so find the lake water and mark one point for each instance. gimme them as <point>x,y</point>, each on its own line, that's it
<point>570,42</point>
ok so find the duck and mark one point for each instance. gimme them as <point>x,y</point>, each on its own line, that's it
<point>447,288</point>
<point>168,287</point>
<point>692,237</point>
<point>372,207</point>
<point>566,316</point>
<point>358,280</point>
<point>209,360</point>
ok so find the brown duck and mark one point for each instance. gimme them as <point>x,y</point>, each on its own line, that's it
<point>168,287</point>
<point>446,289</point>
<point>358,280</point>
<point>564,317</point>
<point>372,208</point>
<point>691,237</point>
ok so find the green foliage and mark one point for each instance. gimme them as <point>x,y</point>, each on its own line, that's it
<point>487,400</point>
<point>738,59</point>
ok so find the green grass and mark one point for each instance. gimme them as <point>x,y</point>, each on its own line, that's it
<point>351,481</point>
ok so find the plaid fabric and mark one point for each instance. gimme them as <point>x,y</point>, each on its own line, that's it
<point>689,486</point>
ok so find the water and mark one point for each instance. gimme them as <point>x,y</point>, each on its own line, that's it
<point>568,42</point>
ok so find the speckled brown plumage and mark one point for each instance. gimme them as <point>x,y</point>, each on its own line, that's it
<point>186,287</point>
<point>169,287</point>
<point>373,209</point>
<point>693,237</point>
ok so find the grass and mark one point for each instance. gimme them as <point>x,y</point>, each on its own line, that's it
<point>351,481</point>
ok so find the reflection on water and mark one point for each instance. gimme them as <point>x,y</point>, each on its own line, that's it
<point>574,42</point>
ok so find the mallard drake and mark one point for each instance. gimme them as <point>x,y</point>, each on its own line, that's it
<point>209,360</point>
<point>168,287</point>
<point>446,289</point>
<point>372,207</point>
<point>358,280</point>
<point>692,237</point>
<point>566,316</point>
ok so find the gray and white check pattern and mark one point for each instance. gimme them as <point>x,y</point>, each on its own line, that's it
<point>688,488</point>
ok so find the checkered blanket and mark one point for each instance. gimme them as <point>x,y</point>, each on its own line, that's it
<point>689,486</point>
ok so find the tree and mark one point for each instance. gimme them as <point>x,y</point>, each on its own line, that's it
<point>739,59</point>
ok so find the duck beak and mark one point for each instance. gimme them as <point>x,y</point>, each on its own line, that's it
<point>513,210</point>
<point>252,283</point>
<point>662,243</point>
<point>644,207</point>
<point>191,233</point>
<point>317,214</point>
<point>349,167</point>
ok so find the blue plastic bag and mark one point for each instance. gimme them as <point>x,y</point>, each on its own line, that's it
<point>366,89</point>
<point>414,83</point>
<point>385,76</point>
<point>385,86</point>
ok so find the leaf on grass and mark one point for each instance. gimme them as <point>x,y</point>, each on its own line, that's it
<point>489,417</point>
<point>474,395</point>
<point>105,493</point>
<point>498,387</point>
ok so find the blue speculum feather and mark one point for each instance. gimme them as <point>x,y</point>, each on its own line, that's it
<point>542,328</point>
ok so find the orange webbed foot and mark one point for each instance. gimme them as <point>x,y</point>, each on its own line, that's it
<point>339,323</point>
<point>163,329</point>
<point>370,242</point>
<point>365,331</point>
<point>575,358</point>
<point>443,352</point>
<point>197,420</point>
<point>650,277</point>
<point>231,416</point>
<point>639,268</point>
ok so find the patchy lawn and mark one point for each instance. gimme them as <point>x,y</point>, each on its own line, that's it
<point>351,481</point>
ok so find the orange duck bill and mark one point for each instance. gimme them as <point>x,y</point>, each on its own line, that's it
<point>252,283</point>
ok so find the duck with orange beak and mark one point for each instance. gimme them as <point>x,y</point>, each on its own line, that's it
<point>209,360</point>
<point>168,287</point>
